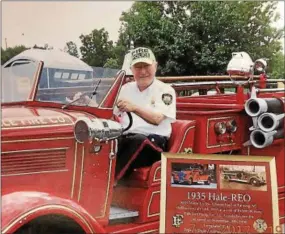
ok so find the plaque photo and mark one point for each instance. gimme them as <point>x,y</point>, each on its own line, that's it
<point>218,194</point>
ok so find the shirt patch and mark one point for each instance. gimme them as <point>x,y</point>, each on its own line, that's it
<point>167,98</point>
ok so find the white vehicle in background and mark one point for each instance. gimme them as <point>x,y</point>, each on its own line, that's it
<point>60,76</point>
<point>57,65</point>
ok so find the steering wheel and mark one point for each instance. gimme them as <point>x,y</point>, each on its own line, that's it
<point>130,122</point>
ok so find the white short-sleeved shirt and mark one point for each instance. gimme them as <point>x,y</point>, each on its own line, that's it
<point>158,97</point>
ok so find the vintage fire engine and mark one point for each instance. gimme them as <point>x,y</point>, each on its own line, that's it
<point>244,176</point>
<point>192,175</point>
<point>58,153</point>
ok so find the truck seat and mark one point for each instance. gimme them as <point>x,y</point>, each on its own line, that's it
<point>181,140</point>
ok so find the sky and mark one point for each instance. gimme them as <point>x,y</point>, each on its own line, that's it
<point>56,23</point>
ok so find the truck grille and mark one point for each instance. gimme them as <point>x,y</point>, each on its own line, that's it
<point>33,161</point>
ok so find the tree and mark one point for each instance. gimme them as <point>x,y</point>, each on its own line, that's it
<point>277,66</point>
<point>190,37</point>
<point>112,63</point>
<point>118,53</point>
<point>10,52</point>
<point>71,48</point>
<point>96,47</point>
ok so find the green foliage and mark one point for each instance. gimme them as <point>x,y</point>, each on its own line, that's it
<point>10,52</point>
<point>111,63</point>
<point>198,37</point>
<point>277,66</point>
<point>71,48</point>
<point>119,52</point>
<point>96,47</point>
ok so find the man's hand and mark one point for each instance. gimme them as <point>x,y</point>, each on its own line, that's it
<point>126,106</point>
<point>146,114</point>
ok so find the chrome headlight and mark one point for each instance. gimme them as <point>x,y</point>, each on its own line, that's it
<point>231,126</point>
<point>220,128</point>
<point>98,129</point>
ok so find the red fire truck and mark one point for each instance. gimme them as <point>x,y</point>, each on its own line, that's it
<point>191,175</point>
<point>58,153</point>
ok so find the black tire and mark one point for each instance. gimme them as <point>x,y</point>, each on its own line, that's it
<point>51,224</point>
<point>239,175</point>
<point>227,178</point>
<point>208,182</point>
<point>190,181</point>
<point>254,182</point>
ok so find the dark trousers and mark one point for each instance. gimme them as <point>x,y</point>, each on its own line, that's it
<point>130,143</point>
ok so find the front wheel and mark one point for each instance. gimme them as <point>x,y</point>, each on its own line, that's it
<point>190,181</point>
<point>254,182</point>
<point>47,224</point>
<point>208,182</point>
<point>227,178</point>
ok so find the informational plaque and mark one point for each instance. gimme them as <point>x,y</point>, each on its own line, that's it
<point>218,194</point>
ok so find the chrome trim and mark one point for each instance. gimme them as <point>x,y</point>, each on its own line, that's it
<point>33,150</point>
<point>64,170</point>
<point>74,171</point>
<point>35,81</point>
<point>270,90</point>
<point>121,84</point>
<point>39,126</point>
<point>39,139</point>
<point>81,173</point>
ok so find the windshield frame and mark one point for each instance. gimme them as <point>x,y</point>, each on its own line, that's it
<point>29,96</point>
<point>64,91</point>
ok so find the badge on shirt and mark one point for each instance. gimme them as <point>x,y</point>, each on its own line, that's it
<point>167,98</point>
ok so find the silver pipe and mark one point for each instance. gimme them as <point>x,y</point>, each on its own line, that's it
<point>210,83</point>
<point>268,122</point>
<point>260,139</point>
<point>271,90</point>
<point>274,80</point>
<point>257,106</point>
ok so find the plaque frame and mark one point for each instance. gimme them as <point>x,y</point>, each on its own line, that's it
<point>169,161</point>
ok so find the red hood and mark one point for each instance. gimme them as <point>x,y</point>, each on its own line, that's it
<point>37,120</point>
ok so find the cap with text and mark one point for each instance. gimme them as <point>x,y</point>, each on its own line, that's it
<point>142,55</point>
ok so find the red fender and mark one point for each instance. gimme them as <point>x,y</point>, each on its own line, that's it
<point>19,208</point>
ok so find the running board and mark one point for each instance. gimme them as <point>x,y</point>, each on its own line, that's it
<point>120,213</point>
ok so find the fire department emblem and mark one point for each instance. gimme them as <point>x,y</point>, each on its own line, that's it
<point>260,225</point>
<point>177,220</point>
<point>188,151</point>
<point>167,98</point>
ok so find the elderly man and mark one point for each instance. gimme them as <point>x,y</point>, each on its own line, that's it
<point>152,105</point>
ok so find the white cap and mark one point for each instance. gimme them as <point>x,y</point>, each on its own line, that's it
<point>142,55</point>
